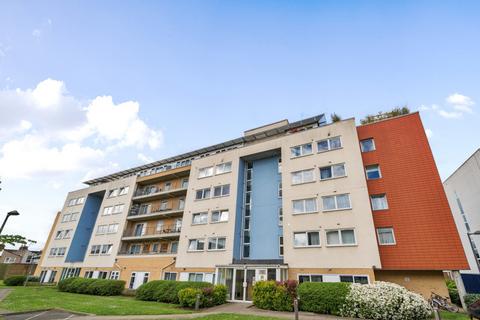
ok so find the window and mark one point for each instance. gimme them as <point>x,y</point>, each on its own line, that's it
<point>59,235</point>
<point>379,202</point>
<point>163,205</point>
<point>302,150</point>
<point>221,191</point>
<point>112,228</point>
<point>174,246</point>
<point>280,189</point>
<point>66,217</point>
<point>304,205</point>
<point>219,216</point>
<point>373,172</point>
<point>118,208</point>
<point>88,274</point>
<point>330,172</point>
<point>223,168</point>
<point>181,204</point>
<point>132,280</point>
<point>61,251</point>
<point>386,236</point>
<point>107,211</point>
<point>10,260</point>
<point>135,249</point>
<point>337,202</point>
<point>200,218</point>
<point>113,193</point>
<point>355,279</point>
<point>280,216</point>
<point>310,278</point>
<point>303,176</point>
<point>306,239</point>
<point>159,226</point>
<point>106,248</point>
<point>167,186</point>
<point>217,243</point>
<point>367,145</point>
<point>343,237</point>
<point>197,277</point>
<point>329,144</point>
<point>123,191</point>
<point>196,245</point>
<point>280,246</point>
<point>102,229</point>
<point>76,201</point>
<point>81,200</point>
<point>74,216</point>
<point>95,249</point>
<point>172,276</point>
<point>53,251</point>
<point>202,194</point>
<point>205,172</point>
<point>184,183</point>
<point>67,234</point>
<point>115,275</point>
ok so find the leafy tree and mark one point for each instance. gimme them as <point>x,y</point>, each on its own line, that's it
<point>335,117</point>
<point>14,240</point>
<point>397,111</point>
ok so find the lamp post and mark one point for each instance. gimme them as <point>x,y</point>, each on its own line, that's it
<point>11,213</point>
<point>469,234</point>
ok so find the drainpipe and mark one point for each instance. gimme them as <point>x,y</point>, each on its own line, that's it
<point>168,265</point>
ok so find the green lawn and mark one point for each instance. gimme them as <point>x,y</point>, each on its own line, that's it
<point>37,298</point>
<point>231,316</point>
<point>453,316</point>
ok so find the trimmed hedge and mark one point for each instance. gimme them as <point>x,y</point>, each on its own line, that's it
<point>323,297</point>
<point>209,296</point>
<point>271,295</point>
<point>471,298</point>
<point>166,290</point>
<point>97,287</point>
<point>15,281</point>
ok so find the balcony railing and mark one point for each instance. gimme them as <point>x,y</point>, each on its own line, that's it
<point>144,253</point>
<point>165,230</point>
<point>148,192</point>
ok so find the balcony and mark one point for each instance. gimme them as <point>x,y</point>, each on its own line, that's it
<point>145,253</point>
<point>136,214</point>
<point>139,233</point>
<point>153,193</point>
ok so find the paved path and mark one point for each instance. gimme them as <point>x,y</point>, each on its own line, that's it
<point>236,308</point>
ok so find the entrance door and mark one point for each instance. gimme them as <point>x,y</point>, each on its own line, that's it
<point>238,288</point>
<point>250,281</point>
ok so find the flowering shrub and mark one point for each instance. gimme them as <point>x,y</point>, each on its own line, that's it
<point>382,301</point>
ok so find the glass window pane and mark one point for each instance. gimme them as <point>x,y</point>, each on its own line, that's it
<point>335,143</point>
<point>343,201</point>
<point>307,175</point>
<point>307,148</point>
<point>325,173</point>
<point>226,190</point>
<point>313,239</point>
<point>367,145</point>
<point>217,191</point>
<point>221,243</point>
<point>333,237</point>
<point>348,236</point>
<point>329,203</point>
<point>310,205</point>
<point>346,278</point>
<point>300,239</point>
<point>295,151</point>
<point>316,278</point>
<point>303,279</point>
<point>373,172</point>
<point>296,177</point>
<point>212,244</point>
<point>379,202</point>
<point>298,206</point>
<point>339,170</point>
<point>322,145</point>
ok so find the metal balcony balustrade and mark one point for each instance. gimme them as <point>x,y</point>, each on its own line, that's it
<point>144,252</point>
<point>152,231</point>
<point>135,211</point>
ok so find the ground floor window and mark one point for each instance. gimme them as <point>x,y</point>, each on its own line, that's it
<point>88,274</point>
<point>355,279</point>
<point>114,275</point>
<point>70,273</point>
<point>53,274</point>
<point>310,278</point>
<point>170,276</point>
<point>332,278</point>
<point>198,277</point>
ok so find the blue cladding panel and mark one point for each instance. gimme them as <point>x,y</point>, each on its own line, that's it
<point>265,230</point>
<point>239,211</point>
<point>81,238</point>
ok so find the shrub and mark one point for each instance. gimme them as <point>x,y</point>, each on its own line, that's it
<point>15,281</point>
<point>219,294</point>
<point>383,300</point>
<point>471,298</point>
<point>453,292</point>
<point>323,297</point>
<point>166,290</point>
<point>188,297</point>
<point>272,296</point>
<point>33,279</point>
<point>99,287</point>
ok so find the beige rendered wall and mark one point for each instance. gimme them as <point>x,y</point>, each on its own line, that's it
<point>422,282</point>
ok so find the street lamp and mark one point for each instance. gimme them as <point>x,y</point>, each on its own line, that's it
<point>11,213</point>
<point>469,234</point>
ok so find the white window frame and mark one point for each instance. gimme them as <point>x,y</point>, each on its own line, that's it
<point>67,234</point>
<point>367,170</point>
<point>124,190</point>
<point>107,211</point>
<point>195,276</point>
<point>204,192</point>
<point>114,227</point>
<point>216,239</point>
<point>205,172</point>
<point>393,236</point>
<point>340,237</point>
<point>220,168</point>
<point>74,216</point>
<point>102,229</point>
<point>335,196</point>
<point>329,142</point>
<point>113,193</point>
<point>203,218</point>
<point>222,190</point>
<point>304,206</point>
<point>379,196</point>
<point>221,215</point>
<point>108,251</point>
<point>373,143</point>
<point>306,234</point>
<point>59,235</point>
<point>67,217</point>
<point>302,150</point>
<point>169,273</point>
<point>118,208</point>
<point>309,275</point>
<point>303,175</point>
<point>334,176</point>
<point>197,241</point>
<point>94,248</point>
<point>281,246</point>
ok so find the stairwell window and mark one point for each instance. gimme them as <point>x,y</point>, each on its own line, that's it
<point>304,206</point>
<point>336,202</point>
<point>342,237</point>
<point>306,239</point>
<point>219,216</point>
<point>373,172</point>
<point>200,218</point>
<point>202,194</point>
<point>221,191</point>
<point>217,243</point>
<point>205,172</point>
<point>329,144</point>
<point>386,236</point>
<point>334,171</point>
<point>223,168</point>
<point>303,176</point>
<point>367,145</point>
<point>379,202</point>
<point>280,246</point>
<point>196,245</point>
<point>301,150</point>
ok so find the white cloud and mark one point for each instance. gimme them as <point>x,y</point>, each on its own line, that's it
<point>48,93</point>
<point>36,33</point>
<point>456,106</point>
<point>429,133</point>
<point>144,158</point>
<point>461,103</point>
<point>450,114</point>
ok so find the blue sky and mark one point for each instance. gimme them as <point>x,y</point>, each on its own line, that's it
<point>185,74</point>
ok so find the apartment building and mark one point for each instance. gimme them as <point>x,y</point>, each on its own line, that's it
<point>308,200</point>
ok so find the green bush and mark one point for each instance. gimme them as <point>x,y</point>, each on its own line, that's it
<point>15,281</point>
<point>323,297</point>
<point>471,298</point>
<point>219,295</point>
<point>33,279</point>
<point>166,290</point>
<point>98,287</point>
<point>272,296</point>
<point>188,297</point>
<point>453,292</point>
